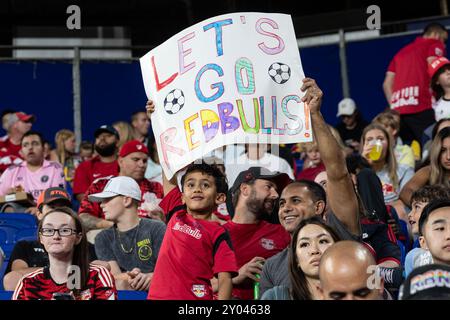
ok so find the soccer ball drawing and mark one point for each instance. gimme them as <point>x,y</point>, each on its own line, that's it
<point>174,101</point>
<point>279,72</point>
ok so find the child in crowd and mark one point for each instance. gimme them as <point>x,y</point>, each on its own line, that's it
<point>194,249</point>
<point>419,200</point>
<point>434,228</point>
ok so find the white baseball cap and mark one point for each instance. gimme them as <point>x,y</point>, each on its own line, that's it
<point>118,186</point>
<point>346,107</point>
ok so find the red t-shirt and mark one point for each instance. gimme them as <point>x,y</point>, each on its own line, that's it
<point>94,209</point>
<point>262,239</point>
<point>39,285</point>
<point>192,252</point>
<point>9,154</point>
<point>90,170</point>
<point>411,91</point>
<point>310,173</point>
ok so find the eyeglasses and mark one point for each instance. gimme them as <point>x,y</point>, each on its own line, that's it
<point>63,232</point>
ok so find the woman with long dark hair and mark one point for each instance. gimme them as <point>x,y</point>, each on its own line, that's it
<point>69,275</point>
<point>309,241</point>
<point>438,172</point>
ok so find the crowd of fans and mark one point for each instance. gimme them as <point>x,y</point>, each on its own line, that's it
<point>362,212</point>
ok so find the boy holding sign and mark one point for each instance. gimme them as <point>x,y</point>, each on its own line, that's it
<point>195,248</point>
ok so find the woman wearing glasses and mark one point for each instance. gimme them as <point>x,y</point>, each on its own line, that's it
<point>69,276</point>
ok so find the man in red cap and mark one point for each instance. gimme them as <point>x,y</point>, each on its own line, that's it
<point>16,125</point>
<point>132,161</point>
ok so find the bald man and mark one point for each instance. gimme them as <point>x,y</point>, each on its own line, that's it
<point>346,272</point>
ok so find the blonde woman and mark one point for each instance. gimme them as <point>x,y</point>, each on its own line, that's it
<point>65,154</point>
<point>438,172</point>
<point>393,176</point>
<point>125,132</point>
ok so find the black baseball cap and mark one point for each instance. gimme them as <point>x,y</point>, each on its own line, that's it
<point>53,194</point>
<point>429,282</point>
<point>108,129</point>
<point>429,208</point>
<point>281,180</point>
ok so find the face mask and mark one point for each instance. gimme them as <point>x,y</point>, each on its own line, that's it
<point>106,151</point>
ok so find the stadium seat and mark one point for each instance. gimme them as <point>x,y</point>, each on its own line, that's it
<point>403,252</point>
<point>6,295</point>
<point>131,295</point>
<point>15,227</point>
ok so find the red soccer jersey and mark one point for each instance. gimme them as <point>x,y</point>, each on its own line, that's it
<point>262,239</point>
<point>411,92</point>
<point>9,154</point>
<point>93,208</point>
<point>192,252</point>
<point>91,170</point>
<point>39,285</point>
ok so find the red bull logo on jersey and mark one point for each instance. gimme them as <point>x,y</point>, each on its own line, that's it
<point>199,290</point>
<point>187,230</point>
<point>268,244</point>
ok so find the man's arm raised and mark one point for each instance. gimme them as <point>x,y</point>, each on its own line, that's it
<point>340,191</point>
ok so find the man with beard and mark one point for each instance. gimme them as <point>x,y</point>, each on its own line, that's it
<point>34,175</point>
<point>254,195</point>
<point>105,164</point>
<point>132,162</point>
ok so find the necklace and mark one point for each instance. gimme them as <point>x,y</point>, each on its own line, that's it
<point>133,242</point>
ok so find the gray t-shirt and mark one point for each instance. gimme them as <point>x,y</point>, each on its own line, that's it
<point>277,293</point>
<point>135,248</point>
<point>275,272</point>
<point>340,228</point>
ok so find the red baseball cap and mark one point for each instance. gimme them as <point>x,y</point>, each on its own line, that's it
<point>22,116</point>
<point>132,146</point>
<point>436,64</point>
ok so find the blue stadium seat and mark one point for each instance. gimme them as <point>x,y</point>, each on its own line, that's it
<point>131,295</point>
<point>403,252</point>
<point>6,295</point>
<point>15,227</point>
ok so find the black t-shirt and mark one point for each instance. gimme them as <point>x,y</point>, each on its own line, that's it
<point>32,252</point>
<point>381,239</point>
<point>353,134</point>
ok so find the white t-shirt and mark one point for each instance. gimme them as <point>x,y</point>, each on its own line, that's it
<point>269,161</point>
<point>441,109</point>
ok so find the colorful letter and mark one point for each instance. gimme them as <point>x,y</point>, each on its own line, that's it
<point>228,123</point>
<point>245,64</point>
<point>165,138</point>
<point>210,123</point>
<point>244,122</point>
<point>160,85</point>
<point>284,103</point>
<point>263,118</point>
<point>218,27</point>
<point>262,45</point>
<point>183,53</point>
<point>218,86</point>
<point>190,132</point>
<point>276,130</point>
